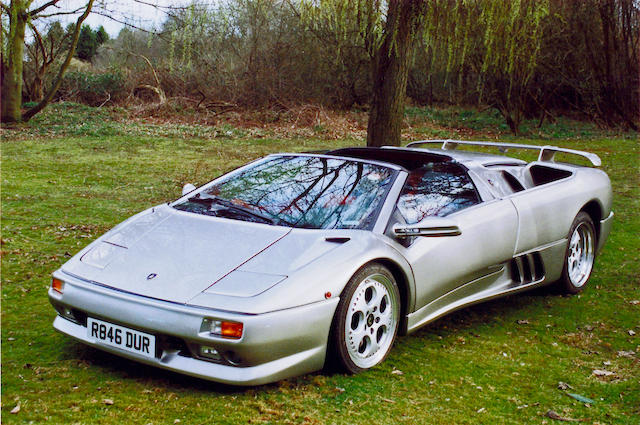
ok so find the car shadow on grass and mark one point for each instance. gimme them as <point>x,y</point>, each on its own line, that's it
<point>125,369</point>
<point>491,312</point>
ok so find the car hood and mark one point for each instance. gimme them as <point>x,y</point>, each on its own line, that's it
<point>174,255</point>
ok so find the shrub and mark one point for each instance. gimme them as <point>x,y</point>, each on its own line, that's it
<point>93,88</point>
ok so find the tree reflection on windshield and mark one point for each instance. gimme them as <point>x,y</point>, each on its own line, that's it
<point>436,189</point>
<point>303,191</point>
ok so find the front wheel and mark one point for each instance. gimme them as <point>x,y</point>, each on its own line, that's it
<point>579,256</point>
<point>366,320</point>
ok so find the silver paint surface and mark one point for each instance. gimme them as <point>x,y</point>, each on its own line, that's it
<point>276,280</point>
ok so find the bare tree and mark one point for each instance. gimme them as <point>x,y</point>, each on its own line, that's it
<point>42,53</point>
<point>20,14</point>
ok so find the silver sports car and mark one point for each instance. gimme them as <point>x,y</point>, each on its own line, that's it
<point>294,260</point>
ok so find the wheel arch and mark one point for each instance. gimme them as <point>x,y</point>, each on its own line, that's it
<point>402,281</point>
<point>594,209</point>
<point>334,346</point>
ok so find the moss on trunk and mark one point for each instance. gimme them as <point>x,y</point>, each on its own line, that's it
<point>12,80</point>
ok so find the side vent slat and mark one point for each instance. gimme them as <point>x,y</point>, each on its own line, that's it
<point>527,269</point>
<point>538,266</point>
<point>532,266</point>
<point>527,275</point>
<point>520,269</point>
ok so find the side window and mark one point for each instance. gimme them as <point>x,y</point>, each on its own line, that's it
<point>436,189</point>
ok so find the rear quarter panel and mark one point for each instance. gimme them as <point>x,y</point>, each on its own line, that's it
<point>546,212</point>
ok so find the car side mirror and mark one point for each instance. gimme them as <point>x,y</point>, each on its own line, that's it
<point>430,226</point>
<point>188,188</point>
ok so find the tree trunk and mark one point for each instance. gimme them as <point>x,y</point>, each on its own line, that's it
<point>12,80</point>
<point>511,123</point>
<point>390,72</point>
<point>37,87</point>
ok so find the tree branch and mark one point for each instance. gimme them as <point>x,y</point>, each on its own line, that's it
<point>38,39</point>
<point>58,81</point>
<point>34,12</point>
<point>49,15</point>
<point>159,7</point>
<point>123,22</point>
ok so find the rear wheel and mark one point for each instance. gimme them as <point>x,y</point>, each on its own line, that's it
<point>366,320</point>
<point>579,256</point>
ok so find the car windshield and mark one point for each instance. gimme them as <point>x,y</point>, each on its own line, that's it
<point>298,191</point>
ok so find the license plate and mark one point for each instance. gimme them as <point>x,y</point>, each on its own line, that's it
<point>124,338</point>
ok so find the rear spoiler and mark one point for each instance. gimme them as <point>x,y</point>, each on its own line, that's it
<point>547,153</point>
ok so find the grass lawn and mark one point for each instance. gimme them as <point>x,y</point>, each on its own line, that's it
<point>75,173</point>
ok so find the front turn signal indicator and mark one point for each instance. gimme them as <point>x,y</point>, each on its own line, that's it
<point>57,285</point>
<point>223,328</point>
<point>231,330</point>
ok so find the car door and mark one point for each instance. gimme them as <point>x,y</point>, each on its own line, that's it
<point>487,238</point>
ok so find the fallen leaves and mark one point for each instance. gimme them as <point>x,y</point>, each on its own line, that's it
<point>107,401</point>
<point>564,386</point>
<point>602,372</point>
<point>554,415</point>
<point>16,409</point>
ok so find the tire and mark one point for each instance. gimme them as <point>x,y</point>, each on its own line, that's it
<point>579,256</point>
<point>366,320</point>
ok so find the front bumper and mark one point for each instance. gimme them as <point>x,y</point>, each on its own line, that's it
<point>273,346</point>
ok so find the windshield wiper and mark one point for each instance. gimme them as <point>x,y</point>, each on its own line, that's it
<point>231,206</point>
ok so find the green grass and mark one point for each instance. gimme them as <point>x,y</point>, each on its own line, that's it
<point>498,362</point>
<point>68,119</point>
